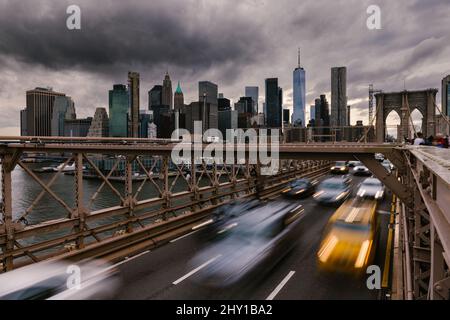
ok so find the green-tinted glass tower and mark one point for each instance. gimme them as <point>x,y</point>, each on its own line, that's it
<point>118,111</point>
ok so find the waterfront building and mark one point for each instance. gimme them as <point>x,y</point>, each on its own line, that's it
<point>118,111</point>
<point>39,111</point>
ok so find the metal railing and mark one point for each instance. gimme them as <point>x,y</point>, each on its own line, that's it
<point>64,214</point>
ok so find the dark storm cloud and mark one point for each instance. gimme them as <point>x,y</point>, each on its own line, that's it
<point>119,33</point>
<point>233,43</point>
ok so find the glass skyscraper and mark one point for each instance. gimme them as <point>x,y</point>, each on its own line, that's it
<point>273,103</point>
<point>253,92</point>
<point>339,96</point>
<point>446,96</point>
<point>298,117</point>
<point>118,111</point>
<point>63,109</point>
<point>210,90</point>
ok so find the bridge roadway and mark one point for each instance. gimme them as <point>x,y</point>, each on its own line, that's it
<point>151,275</point>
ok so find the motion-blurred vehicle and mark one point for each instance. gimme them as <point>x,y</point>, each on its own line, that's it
<point>350,238</point>
<point>59,281</point>
<point>222,215</point>
<point>353,163</point>
<point>387,164</point>
<point>379,157</point>
<point>252,245</point>
<point>333,190</point>
<point>371,188</point>
<point>339,167</point>
<point>300,188</point>
<point>361,170</point>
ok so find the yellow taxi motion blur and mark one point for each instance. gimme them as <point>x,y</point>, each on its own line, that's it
<point>350,238</point>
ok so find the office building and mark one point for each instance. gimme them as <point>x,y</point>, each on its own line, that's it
<point>77,127</point>
<point>227,120</point>
<point>312,112</point>
<point>286,115</point>
<point>273,103</point>
<point>39,111</point>
<point>178,98</point>
<point>145,119</point>
<point>198,111</point>
<point>445,94</point>
<point>118,111</point>
<point>244,105</point>
<point>245,108</point>
<point>158,111</point>
<point>339,96</point>
<point>133,88</point>
<point>223,103</point>
<point>322,112</point>
<point>299,86</point>
<point>166,92</point>
<point>155,96</point>
<point>63,108</point>
<point>100,124</point>
<point>23,122</point>
<point>208,90</point>
<point>348,116</point>
<point>253,92</point>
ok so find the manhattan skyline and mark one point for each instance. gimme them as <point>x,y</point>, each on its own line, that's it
<point>197,40</point>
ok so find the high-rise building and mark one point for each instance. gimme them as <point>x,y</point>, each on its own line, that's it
<point>155,96</point>
<point>158,112</point>
<point>286,115</point>
<point>199,111</point>
<point>280,98</point>
<point>166,93</point>
<point>145,119</point>
<point>227,119</point>
<point>244,105</point>
<point>209,90</point>
<point>348,115</point>
<point>446,95</point>
<point>23,122</point>
<point>39,110</point>
<point>312,112</point>
<point>322,112</point>
<point>77,127</point>
<point>178,98</point>
<point>273,106</point>
<point>223,103</point>
<point>299,85</point>
<point>63,108</point>
<point>253,92</point>
<point>339,96</point>
<point>100,124</point>
<point>244,108</point>
<point>133,88</point>
<point>118,111</point>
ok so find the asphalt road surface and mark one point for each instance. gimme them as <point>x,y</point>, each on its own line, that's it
<point>164,272</point>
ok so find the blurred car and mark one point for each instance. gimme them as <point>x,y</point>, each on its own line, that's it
<point>386,163</point>
<point>52,281</point>
<point>361,169</point>
<point>339,167</point>
<point>300,188</point>
<point>371,188</point>
<point>333,190</point>
<point>379,157</point>
<point>350,238</point>
<point>353,163</point>
<point>253,244</point>
<point>386,166</point>
<point>223,214</point>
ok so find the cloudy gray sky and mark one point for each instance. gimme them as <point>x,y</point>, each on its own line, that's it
<point>233,43</point>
